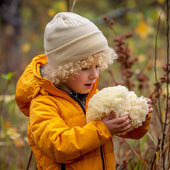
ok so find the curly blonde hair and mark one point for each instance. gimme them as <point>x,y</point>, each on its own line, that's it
<point>67,71</point>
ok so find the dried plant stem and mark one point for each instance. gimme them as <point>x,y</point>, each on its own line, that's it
<point>74,3</point>
<point>167,82</point>
<point>114,31</point>
<point>157,150</point>
<point>111,75</point>
<point>155,70</point>
<point>143,160</point>
<point>68,5</point>
<point>29,161</point>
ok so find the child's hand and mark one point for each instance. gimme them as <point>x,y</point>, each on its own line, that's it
<point>149,101</point>
<point>117,125</point>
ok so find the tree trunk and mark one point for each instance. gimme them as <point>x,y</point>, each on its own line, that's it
<point>10,23</point>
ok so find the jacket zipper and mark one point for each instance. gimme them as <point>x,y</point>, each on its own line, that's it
<point>63,166</point>
<point>73,97</point>
<point>101,149</point>
<point>79,102</point>
<point>101,153</point>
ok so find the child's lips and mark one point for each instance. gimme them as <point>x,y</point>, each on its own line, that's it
<point>89,85</point>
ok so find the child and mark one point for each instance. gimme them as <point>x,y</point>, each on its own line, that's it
<point>54,91</point>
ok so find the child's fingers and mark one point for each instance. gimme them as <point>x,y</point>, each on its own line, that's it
<point>117,125</point>
<point>110,116</point>
<point>125,128</point>
<point>149,101</point>
<point>122,119</point>
<point>150,109</point>
<point>123,124</point>
<point>120,124</point>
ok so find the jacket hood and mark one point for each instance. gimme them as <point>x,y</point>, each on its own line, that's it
<point>31,84</point>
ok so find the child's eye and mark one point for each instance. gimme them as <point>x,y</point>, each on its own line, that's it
<point>84,69</point>
<point>97,66</point>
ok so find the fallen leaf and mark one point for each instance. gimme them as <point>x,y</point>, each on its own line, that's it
<point>18,141</point>
<point>51,12</point>
<point>26,47</point>
<point>142,29</point>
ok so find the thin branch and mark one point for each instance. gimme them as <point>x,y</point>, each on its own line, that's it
<point>156,79</point>
<point>167,82</point>
<point>136,153</point>
<point>167,66</point>
<point>157,150</point>
<point>74,3</point>
<point>29,161</point>
<point>68,5</point>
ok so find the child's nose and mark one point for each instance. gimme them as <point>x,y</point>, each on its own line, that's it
<point>94,74</point>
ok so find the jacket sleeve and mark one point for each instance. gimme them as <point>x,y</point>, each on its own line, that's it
<point>140,131</point>
<point>54,138</point>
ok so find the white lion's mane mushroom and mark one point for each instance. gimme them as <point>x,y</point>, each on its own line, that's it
<point>119,100</point>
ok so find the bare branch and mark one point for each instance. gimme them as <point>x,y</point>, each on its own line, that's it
<point>155,70</point>
<point>142,159</point>
<point>74,3</point>
<point>167,82</point>
<point>68,5</point>
<point>29,161</point>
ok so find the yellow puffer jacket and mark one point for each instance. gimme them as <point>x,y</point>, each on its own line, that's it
<point>57,131</point>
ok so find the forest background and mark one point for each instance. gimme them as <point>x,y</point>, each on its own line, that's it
<point>137,30</point>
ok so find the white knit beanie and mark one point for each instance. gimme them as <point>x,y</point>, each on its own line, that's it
<point>70,37</point>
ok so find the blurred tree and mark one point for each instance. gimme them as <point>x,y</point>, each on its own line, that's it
<point>10,24</point>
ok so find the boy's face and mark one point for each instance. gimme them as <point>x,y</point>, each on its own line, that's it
<point>84,81</point>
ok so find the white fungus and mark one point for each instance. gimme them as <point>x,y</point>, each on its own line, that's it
<point>119,100</point>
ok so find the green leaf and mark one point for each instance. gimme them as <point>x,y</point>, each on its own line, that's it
<point>142,142</point>
<point>7,76</point>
